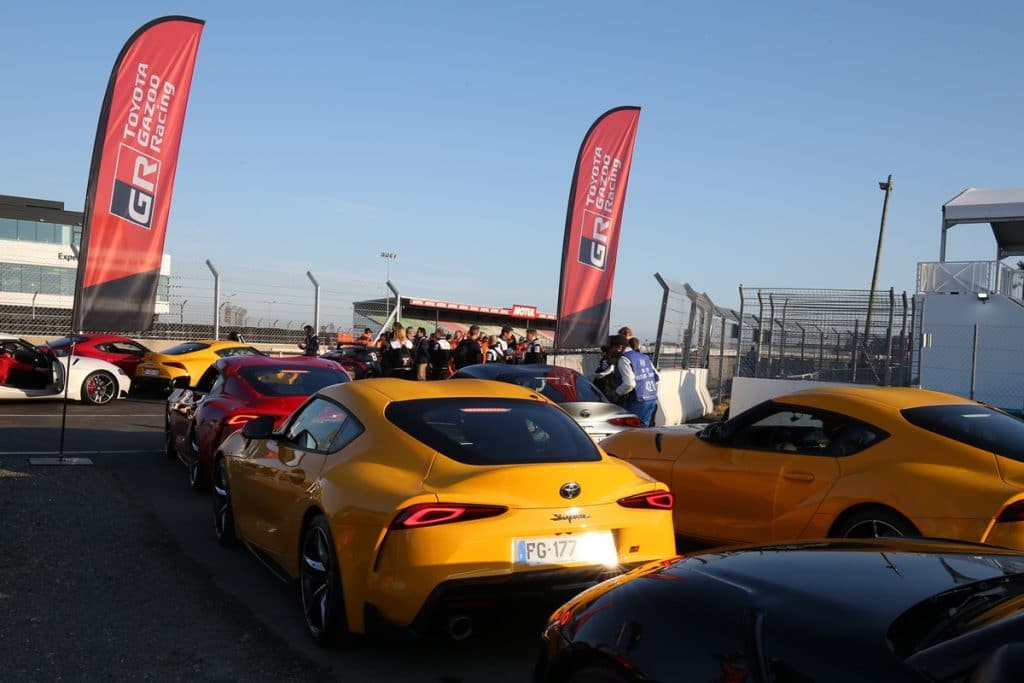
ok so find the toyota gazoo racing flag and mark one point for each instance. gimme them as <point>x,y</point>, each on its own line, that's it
<point>596,200</point>
<point>132,175</point>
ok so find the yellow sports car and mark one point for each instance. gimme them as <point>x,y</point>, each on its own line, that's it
<point>419,503</point>
<point>843,461</point>
<point>191,359</point>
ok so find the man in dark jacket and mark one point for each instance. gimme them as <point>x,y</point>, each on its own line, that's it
<point>311,344</point>
<point>469,351</point>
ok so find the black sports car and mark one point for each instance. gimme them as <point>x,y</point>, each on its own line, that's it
<point>360,362</point>
<point>576,394</point>
<point>836,611</point>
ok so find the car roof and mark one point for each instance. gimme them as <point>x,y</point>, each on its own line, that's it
<point>394,389</point>
<point>891,397</point>
<point>527,369</point>
<point>233,363</point>
<point>4,336</point>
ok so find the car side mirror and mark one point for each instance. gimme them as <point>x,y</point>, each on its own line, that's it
<point>1002,666</point>
<point>259,428</point>
<point>181,382</point>
<point>712,433</point>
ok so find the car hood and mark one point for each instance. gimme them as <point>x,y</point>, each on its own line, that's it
<point>854,589</point>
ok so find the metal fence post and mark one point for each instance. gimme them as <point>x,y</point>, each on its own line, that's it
<point>661,319</point>
<point>739,338</point>
<point>782,340</point>
<point>854,359</point>
<point>316,302</point>
<point>688,336</point>
<point>904,346</point>
<point>721,360</point>
<point>888,339</point>
<point>974,360</point>
<point>771,333</point>
<point>760,332</point>
<point>216,299</point>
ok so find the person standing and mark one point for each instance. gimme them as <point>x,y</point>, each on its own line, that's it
<point>421,344</point>
<point>533,351</point>
<point>494,354</point>
<point>398,354</point>
<point>638,388</point>
<point>311,344</point>
<point>469,351</point>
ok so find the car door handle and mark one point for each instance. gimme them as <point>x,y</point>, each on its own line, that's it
<point>798,475</point>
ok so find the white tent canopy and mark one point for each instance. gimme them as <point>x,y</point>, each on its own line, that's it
<point>1002,209</point>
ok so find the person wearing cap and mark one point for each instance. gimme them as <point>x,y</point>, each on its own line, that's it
<point>638,386</point>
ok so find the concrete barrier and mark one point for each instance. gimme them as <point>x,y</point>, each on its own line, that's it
<point>683,396</point>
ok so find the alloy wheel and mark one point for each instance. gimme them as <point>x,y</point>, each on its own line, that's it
<point>315,580</point>
<point>223,517</point>
<point>872,528</point>
<point>99,388</point>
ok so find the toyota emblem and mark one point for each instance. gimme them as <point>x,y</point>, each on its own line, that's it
<point>569,490</point>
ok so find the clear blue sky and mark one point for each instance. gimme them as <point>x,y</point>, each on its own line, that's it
<point>319,134</point>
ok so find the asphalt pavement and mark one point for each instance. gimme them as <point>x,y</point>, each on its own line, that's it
<point>110,572</point>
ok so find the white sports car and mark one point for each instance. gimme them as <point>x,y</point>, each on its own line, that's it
<point>26,372</point>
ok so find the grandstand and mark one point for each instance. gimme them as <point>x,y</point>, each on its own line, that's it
<point>451,317</point>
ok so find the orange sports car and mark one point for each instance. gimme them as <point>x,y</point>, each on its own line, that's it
<point>843,462</point>
<point>418,503</point>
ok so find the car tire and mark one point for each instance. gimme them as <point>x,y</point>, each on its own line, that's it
<point>223,514</point>
<point>598,674</point>
<point>99,388</point>
<point>323,605</point>
<point>873,522</point>
<point>195,476</point>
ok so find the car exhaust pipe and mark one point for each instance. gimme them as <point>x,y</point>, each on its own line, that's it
<point>460,627</point>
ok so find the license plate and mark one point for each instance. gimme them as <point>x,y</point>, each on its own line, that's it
<point>597,547</point>
<point>150,372</point>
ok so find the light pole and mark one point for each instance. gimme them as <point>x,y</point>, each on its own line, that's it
<point>885,186</point>
<point>388,257</point>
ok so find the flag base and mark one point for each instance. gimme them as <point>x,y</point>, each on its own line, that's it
<point>60,461</point>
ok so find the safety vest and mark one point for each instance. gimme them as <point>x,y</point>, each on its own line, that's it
<point>646,375</point>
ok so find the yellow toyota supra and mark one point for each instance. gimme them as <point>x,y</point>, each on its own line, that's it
<point>420,503</point>
<point>843,462</point>
<point>189,359</point>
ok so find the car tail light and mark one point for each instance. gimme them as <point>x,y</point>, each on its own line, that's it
<point>172,364</point>
<point>630,421</point>
<point>241,419</point>
<point>1014,512</point>
<point>430,514</point>
<point>655,500</point>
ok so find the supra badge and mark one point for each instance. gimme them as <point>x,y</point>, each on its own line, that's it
<point>569,490</point>
<point>569,517</point>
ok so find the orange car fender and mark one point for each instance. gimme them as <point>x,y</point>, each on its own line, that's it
<point>918,491</point>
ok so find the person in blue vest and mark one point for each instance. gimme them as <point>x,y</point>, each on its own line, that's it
<point>638,389</point>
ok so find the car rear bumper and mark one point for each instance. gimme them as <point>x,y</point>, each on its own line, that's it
<point>143,384</point>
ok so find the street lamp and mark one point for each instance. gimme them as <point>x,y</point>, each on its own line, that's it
<point>388,257</point>
<point>885,186</point>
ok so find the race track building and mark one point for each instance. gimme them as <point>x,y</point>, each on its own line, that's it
<point>451,317</point>
<point>37,265</point>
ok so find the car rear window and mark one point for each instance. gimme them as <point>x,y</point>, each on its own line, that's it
<point>271,381</point>
<point>974,425</point>
<point>493,431</point>
<point>560,385</point>
<point>187,347</point>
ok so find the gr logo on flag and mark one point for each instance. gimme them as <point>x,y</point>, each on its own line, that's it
<point>135,180</point>
<point>594,249</point>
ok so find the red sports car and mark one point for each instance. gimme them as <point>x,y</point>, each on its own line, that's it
<point>123,352</point>
<point>231,392</point>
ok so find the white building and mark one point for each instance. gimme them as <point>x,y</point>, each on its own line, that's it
<point>37,265</point>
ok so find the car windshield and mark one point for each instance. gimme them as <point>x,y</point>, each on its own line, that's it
<point>187,347</point>
<point>973,424</point>
<point>560,385</point>
<point>494,431</point>
<point>280,381</point>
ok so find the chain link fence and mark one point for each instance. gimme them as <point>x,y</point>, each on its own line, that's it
<point>262,306</point>
<point>834,335</point>
<point>981,362</point>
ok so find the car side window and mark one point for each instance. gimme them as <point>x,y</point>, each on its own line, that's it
<point>318,426</point>
<point>123,347</point>
<point>208,380</point>
<point>791,429</point>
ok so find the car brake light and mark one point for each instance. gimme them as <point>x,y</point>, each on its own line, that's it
<point>172,364</point>
<point>1012,513</point>
<point>241,419</point>
<point>655,500</point>
<point>429,514</point>
<point>631,421</point>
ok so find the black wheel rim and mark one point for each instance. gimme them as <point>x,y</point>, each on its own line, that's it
<point>316,579</point>
<point>221,500</point>
<point>193,473</point>
<point>872,528</point>
<point>100,388</point>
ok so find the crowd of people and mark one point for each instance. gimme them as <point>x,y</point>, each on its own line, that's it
<point>625,375</point>
<point>411,353</point>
